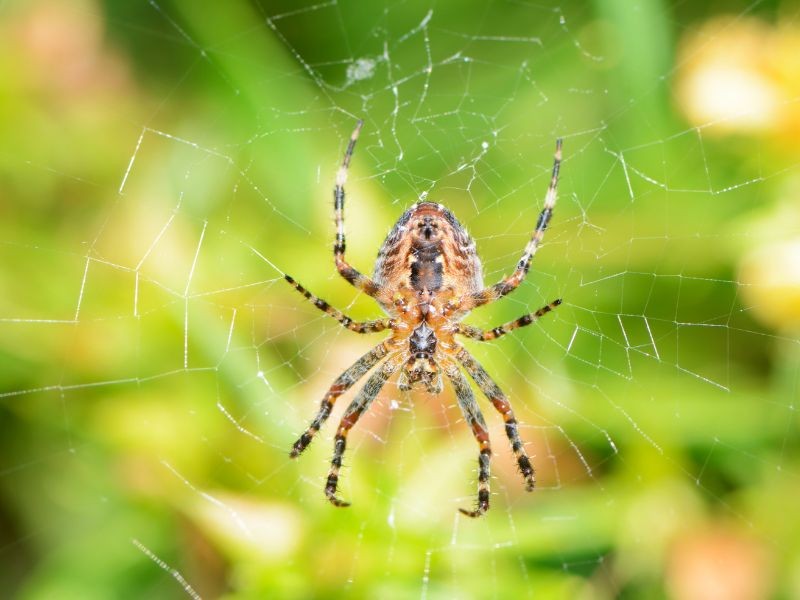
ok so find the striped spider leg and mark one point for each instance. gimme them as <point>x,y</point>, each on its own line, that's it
<point>347,322</point>
<point>510,283</point>
<point>350,274</point>
<point>500,402</point>
<point>343,383</point>
<point>474,418</point>
<point>357,407</point>
<point>492,334</point>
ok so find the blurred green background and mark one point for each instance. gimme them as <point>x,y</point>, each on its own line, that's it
<point>162,163</point>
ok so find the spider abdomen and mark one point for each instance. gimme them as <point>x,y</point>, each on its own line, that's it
<point>427,250</point>
<point>427,267</point>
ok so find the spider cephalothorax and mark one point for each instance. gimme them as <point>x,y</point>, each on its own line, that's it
<point>427,278</point>
<point>421,367</point>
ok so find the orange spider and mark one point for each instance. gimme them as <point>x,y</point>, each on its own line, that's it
<point>427,278</point>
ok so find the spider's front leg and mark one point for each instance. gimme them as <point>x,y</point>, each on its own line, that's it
<point>353,276</point>
<point>343,383</point>
<point>472,414</point>
<point>503,406</point>
<point>357,407</point>
<point>510,283</point>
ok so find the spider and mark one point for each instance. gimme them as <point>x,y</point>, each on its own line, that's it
<point>427,278</point>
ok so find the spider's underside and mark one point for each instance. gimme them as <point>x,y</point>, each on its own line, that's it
<point>427,278</point>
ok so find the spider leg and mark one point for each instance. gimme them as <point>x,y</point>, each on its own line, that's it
<point>474,418</point>
<point>503,406</point>
<point>479,334</point>
<point>343,383</point>
<point>357,407</point>
<point>354,277</point>
<point>358,327</point>
<point>509,284</point>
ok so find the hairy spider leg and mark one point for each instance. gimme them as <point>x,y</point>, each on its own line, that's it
<point>343,383</point>
<point>474,418</point>
<point>357,407</point>
<point>354,277</point>
<point>357,326</point>
<point>509,284</point>
<point>484,336</point>
<point>503,406</point>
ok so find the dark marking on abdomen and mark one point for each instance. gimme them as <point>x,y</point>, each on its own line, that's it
<point>426,270</point>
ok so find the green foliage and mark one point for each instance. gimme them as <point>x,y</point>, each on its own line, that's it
<point>164,164</point>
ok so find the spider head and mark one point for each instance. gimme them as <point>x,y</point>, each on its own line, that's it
<point>421,368</point>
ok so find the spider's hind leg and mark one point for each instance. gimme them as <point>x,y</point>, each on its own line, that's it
<point>510,283</point>
<point>350,274</point>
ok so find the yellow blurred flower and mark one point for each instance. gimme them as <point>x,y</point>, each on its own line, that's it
<point>771,276</point>
<point>769,269</point>
<point>741,75</point>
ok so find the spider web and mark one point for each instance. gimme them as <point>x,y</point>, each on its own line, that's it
<point>158,369</point>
